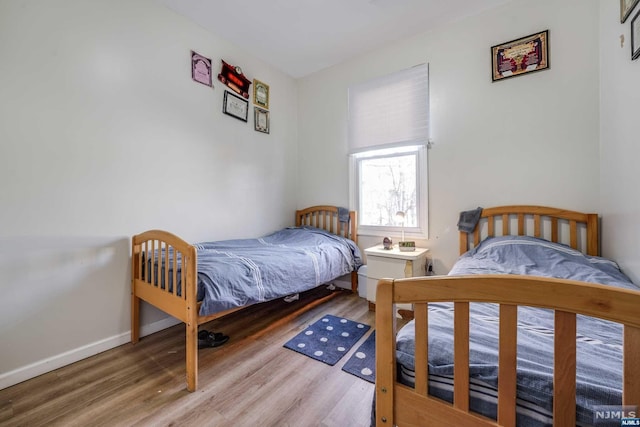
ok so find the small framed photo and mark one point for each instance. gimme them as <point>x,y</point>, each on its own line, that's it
<point>520,56</point>
<point>235,106</point>
<point>260,94</point>
<point>261,119</point>
<point>635,36</point>
<point>626,7</point>
<point>201,69</point>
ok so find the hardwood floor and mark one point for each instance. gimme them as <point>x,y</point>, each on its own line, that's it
<point>250,381</point>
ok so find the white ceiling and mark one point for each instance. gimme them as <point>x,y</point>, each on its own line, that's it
<point>300,37</point>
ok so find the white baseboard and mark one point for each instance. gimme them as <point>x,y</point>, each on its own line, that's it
<point>47,365</point>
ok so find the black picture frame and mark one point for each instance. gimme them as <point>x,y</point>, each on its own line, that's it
<point>635,36</point>
<point>626,7</point>
<point>520,56</point>
<point>235,106</point>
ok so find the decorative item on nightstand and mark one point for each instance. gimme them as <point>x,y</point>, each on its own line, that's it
<point>403,245</point>
<point>387,243</point>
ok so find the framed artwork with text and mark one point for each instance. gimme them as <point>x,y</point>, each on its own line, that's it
<point>520,56</point>
<point>201,69</point>
<point>261,120</point>
<point>235,106</point>
<point>260,94</point>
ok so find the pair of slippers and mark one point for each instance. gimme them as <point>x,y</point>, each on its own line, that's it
<point>208,339</point>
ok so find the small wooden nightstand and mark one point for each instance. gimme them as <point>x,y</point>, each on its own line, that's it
<point>392,264</point>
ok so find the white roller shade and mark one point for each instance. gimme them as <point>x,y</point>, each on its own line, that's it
<point>390,110</point>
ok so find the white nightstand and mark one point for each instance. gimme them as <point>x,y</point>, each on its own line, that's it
<point>392,264</point>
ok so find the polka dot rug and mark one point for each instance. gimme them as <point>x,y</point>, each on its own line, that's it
<point>328,339</point>
<point>362,362</point>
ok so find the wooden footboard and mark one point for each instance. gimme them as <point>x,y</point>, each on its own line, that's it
<point>160,286</point>
<point>400,405</point>
<point>154,279</point>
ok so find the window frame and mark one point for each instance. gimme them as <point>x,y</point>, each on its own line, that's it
<point>422,196</point>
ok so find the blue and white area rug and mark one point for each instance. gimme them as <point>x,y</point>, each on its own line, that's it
<point>328,339</point>
<point>362,363</point>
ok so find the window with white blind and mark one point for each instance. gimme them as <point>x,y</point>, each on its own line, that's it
<point>388,138</point>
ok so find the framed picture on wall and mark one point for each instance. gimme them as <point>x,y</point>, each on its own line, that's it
<point>260,94</point>
<point>635,36</point>
<point>201,69</point>
<point>261,120</point>
<point>626,7</point>
<point>235,106</point>
<point>520,56</point>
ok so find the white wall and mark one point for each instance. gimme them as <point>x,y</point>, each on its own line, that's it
<point>103,134</point>
<point>531,139</point>
<point>90,91</point>
<point>619,142</point>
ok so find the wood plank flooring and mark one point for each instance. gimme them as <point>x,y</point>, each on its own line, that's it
<point>250,381</point>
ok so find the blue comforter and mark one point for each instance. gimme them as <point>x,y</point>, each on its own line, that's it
<point>236,273</point>
<point>599,342</point>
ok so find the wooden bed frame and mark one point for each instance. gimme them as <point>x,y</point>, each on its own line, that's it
<point>397,404</point>
<point>185,307</point>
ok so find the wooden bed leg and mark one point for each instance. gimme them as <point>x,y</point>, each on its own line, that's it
<point>385,353</point>
<point>190,259</point>
<point>135,301</point>
<point>135,318</point>
<point>631,366</point>
<point>354,282</point>
<point>192,356</point>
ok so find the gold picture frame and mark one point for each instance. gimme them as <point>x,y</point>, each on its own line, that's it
<point>260,94</point>
<point>626,7</point>
<point>520,56</point>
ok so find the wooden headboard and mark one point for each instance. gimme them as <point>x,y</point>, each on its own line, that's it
<point>326,218</point>
<point>576,229</point>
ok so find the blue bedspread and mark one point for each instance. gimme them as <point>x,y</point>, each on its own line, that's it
<point>599,342</point>
<point>236,273</point>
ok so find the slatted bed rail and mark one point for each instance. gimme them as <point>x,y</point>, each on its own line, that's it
<point>157,259</point>
<point>576,229</point>
<point>328,218</point>
<point>397,404</point>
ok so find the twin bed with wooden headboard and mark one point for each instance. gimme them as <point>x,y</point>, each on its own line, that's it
<point>529,328</point>
<point>197,283</point>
